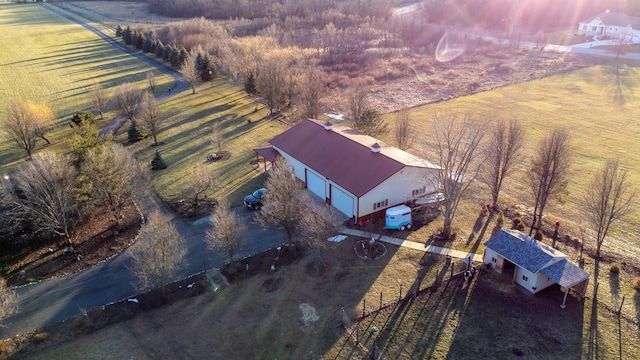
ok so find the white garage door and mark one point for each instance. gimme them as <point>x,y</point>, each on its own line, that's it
<point>315,184</point>
<point>342,201</point>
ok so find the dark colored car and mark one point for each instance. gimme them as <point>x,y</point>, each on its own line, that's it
<point>254,201</point>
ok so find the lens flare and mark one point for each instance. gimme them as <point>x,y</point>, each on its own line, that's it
<point>450,47</point>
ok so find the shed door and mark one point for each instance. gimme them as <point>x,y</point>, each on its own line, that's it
<point>315,184</point>
<point>342,201</point>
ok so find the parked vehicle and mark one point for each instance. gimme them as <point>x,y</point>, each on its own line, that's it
<point>398,218</point>
<point>254,201</point>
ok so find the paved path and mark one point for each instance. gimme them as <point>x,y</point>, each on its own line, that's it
<point>414,245</point>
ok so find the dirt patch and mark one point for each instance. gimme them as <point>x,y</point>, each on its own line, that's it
<point>309,314</point>
<point>185,208</point>
<point>368,249</point>
<point>268,262</point>
<point>93,241</point>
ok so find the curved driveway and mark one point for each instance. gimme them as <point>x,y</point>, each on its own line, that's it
<point>57,299</point>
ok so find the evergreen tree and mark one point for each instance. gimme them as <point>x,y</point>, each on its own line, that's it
<point>154,45</point>
<point>140,39</point>
<point>119,31</point>
<point>126,35</point>
<point>209,71</point>
<point>133,134</point>
<point>250,84</point>
<point>182,56</point>
<point>174,57</point>
<point>158,163</point>
<point>147,45</point>
<point>159,49</point>
<point>166,53</point>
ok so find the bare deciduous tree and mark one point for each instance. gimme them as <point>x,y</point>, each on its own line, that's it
<point>282,209</point>
<point>455,143</point>
<point>228,230</point>
<point>128,98</point>
<point>217,136</point>
<point>25,122</point>
<point>609,198</point>
<point>47,192</point>
<point>272,83</point>
<point>158,253</point>
<point>112,176</point>
<point>202,179</point>
<point>358,101</point>
<point>99,98</point>
<point>8,300</point>
<point>191,72</point>
<point>403,132</point>
<point>312,90</point>
<point>549,174</point>
<point>150,117</point>
<point>153,82</point>
<point>316,227</point>
<point>502,154</point>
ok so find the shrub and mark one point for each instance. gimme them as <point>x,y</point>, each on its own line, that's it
<point>614,268</point>
<point>40,337</point>
<point>500,219</point>
<point>158,163</point>
<point>518,224</point>
<point>636,283</point>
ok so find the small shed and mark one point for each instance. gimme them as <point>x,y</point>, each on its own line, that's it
<point>535,265</point>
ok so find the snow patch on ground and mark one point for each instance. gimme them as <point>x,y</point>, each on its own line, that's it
<point>337,238</point>
<point>339,117</point>
<point>309,314</point>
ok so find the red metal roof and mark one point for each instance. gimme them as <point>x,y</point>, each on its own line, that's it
<point>346,159</point>
<point>268,153</point>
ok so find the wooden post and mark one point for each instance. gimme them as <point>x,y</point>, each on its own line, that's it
<point>621,303</point>
<point>564,300</point>
<point>400,295</point>
<point>364,306</point>
<point>380,301</point>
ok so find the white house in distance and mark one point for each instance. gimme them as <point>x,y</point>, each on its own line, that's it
<point>612,25</point>
<point>535,265</point>
<point>355,173</point>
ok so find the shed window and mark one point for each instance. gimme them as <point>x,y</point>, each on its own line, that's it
<point>494,260</point>
<point>594,28</point>
<point>525,278</point>
<point>584,27</point>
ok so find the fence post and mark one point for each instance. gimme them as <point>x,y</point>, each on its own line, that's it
<point>621,303</point>
<point>364,306</point>
<point>400,295</point>
<point>380,301</point>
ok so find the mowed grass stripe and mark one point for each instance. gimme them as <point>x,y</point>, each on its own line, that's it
<point>50,60</point>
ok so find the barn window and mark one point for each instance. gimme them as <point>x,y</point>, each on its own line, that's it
<point>525,278</point>
<point>494,260</point>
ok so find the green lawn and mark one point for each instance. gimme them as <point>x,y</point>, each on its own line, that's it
<point>600,109</point>
<point>48,59</point>
<point>53,61</point>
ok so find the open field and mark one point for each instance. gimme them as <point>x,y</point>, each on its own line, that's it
<point>245,320</point>
<point>187,141</point>
<point>57,62</point>
<point>598,105</point>
<point>300,318</point>
<point>47,59</point>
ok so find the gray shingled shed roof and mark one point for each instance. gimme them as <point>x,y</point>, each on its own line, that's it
<point>565,273</point>
<point>522,250</point>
